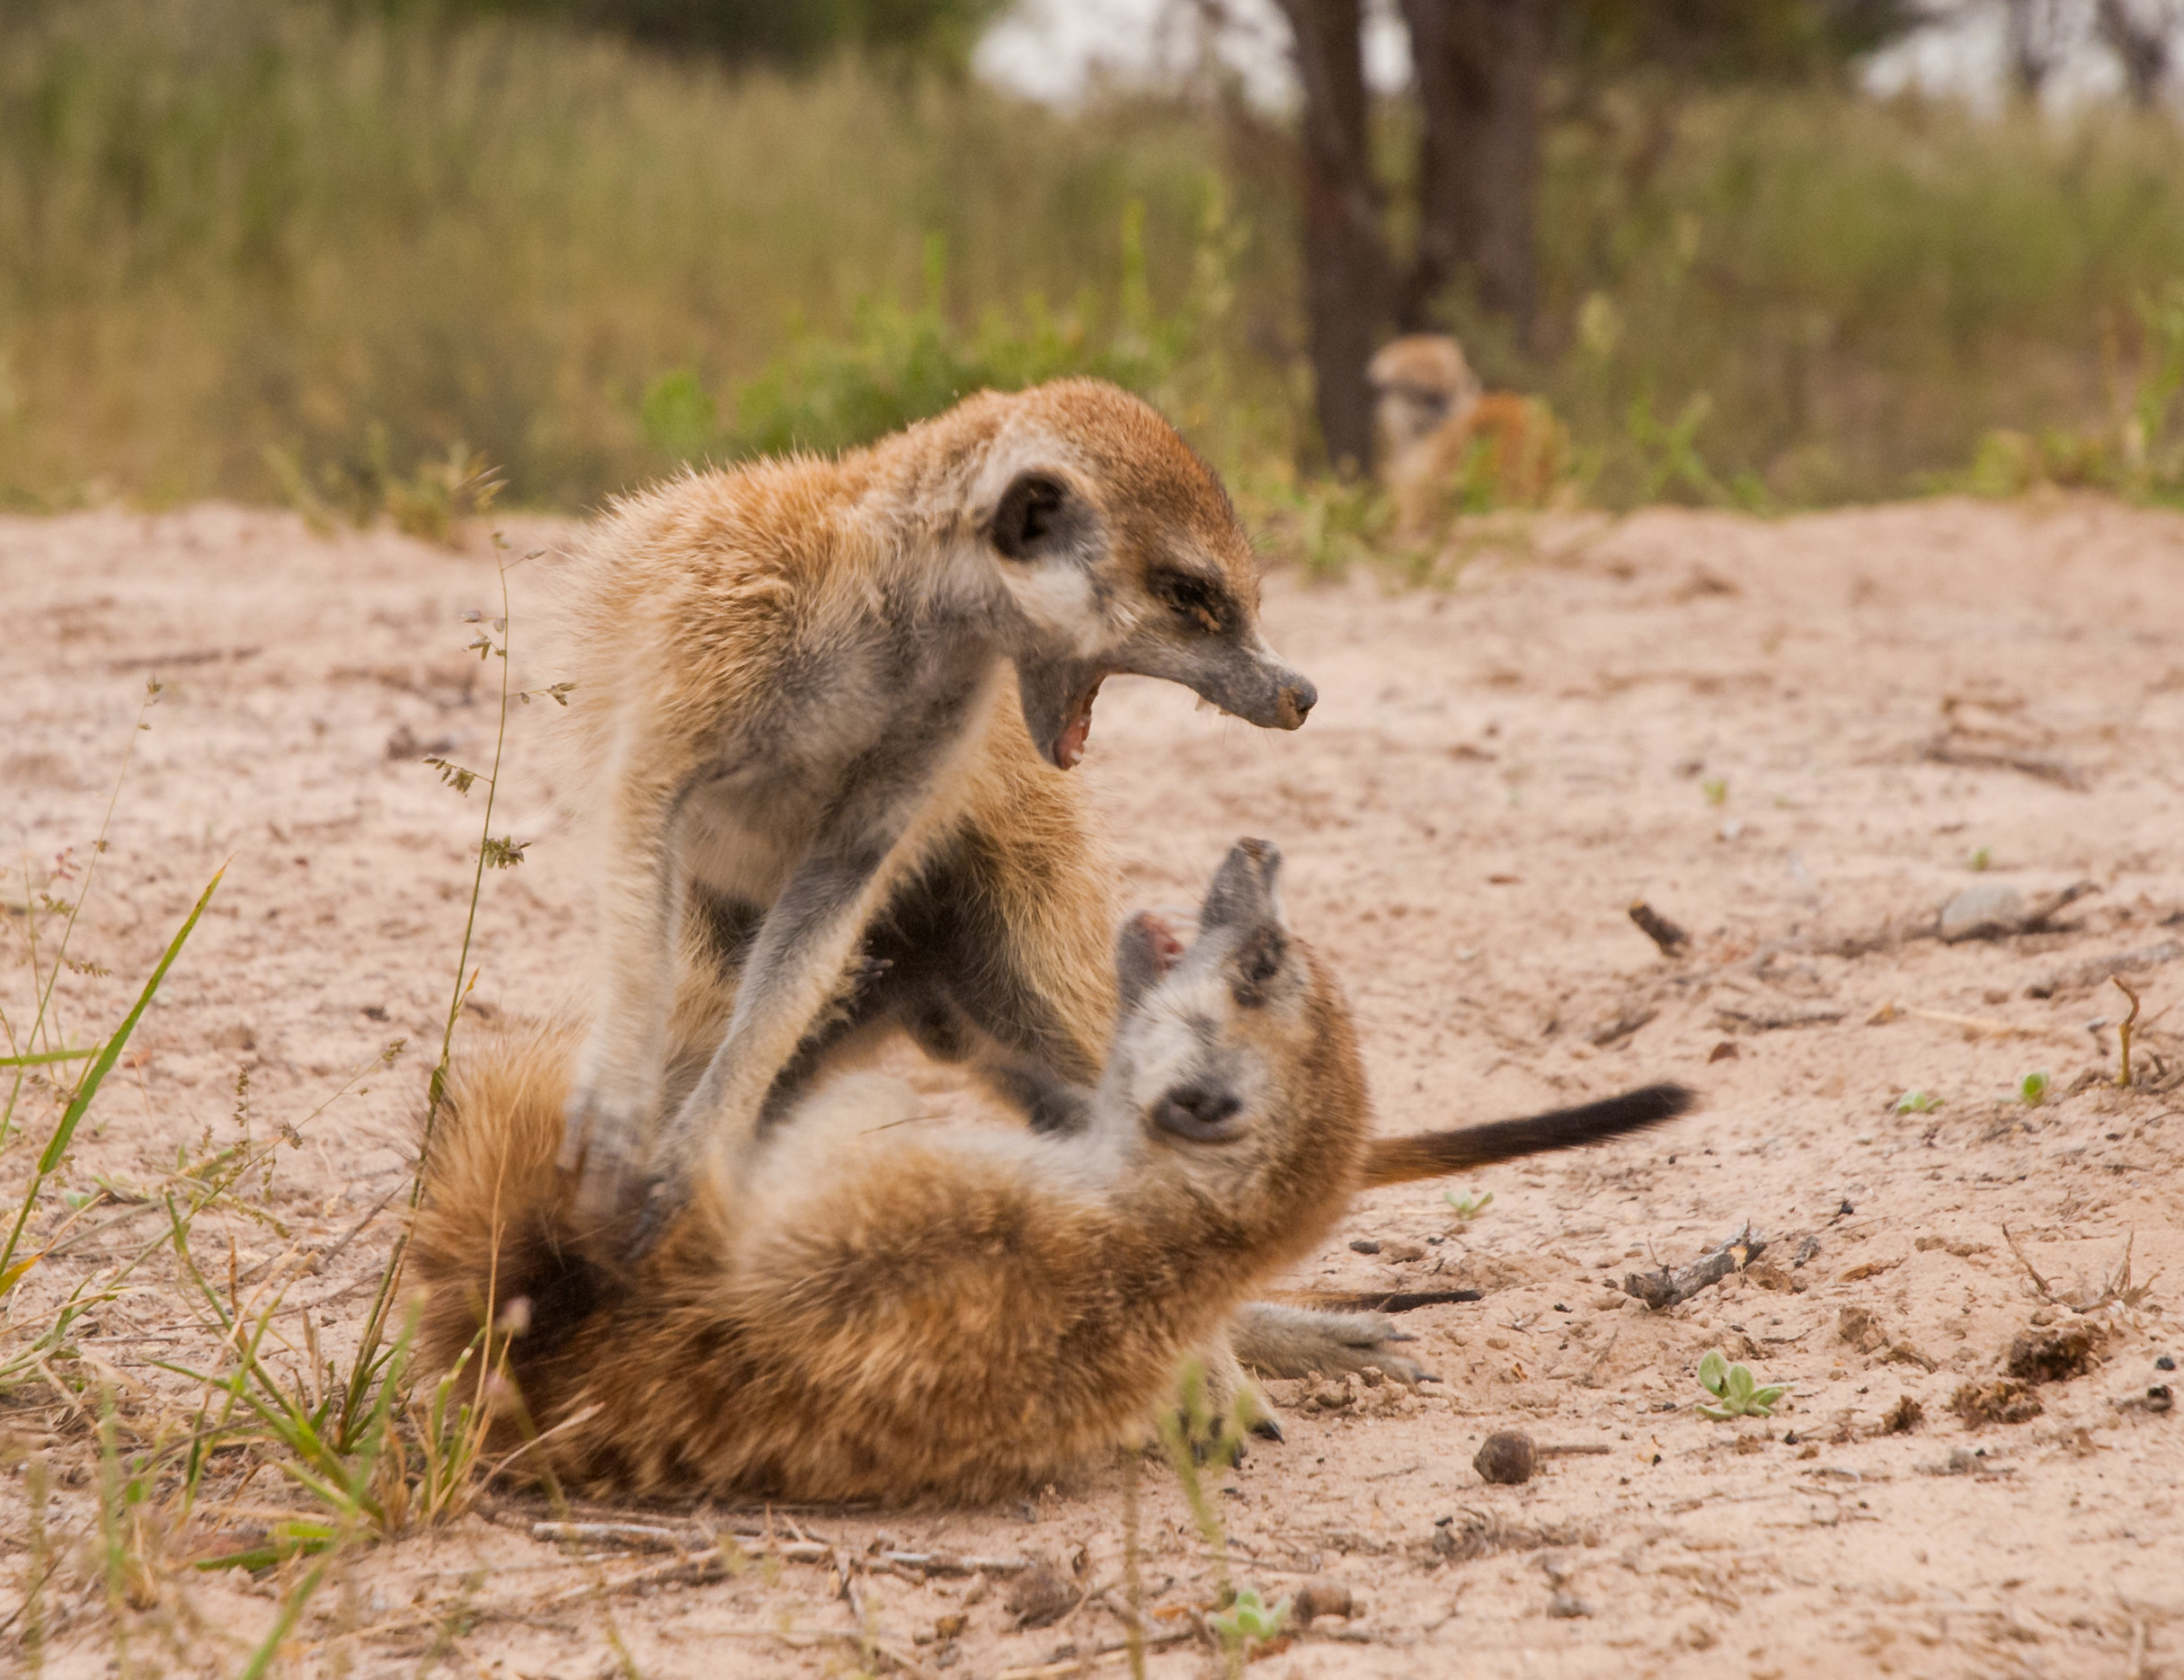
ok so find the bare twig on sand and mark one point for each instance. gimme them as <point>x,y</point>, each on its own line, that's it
<point>1664,933</point>
<point>1952,749</point>
<point>1665,1288</point>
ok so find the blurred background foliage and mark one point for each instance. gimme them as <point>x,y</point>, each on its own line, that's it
<point>308,250</point>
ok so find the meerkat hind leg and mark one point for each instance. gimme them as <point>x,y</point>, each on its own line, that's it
<point>1285,1342</point>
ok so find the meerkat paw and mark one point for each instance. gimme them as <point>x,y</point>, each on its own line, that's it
<point>610,1179</point>
<point>1219,1405</point>
<point>1284,1341</point>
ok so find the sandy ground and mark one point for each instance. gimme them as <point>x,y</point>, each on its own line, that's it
<point>1791,738</point>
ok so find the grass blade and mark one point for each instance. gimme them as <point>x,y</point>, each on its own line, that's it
<point>56,1147</point>
<point>45,1056</point>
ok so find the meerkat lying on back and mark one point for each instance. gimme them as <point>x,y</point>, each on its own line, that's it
<point>1436,416</point>
<point>823,707</point>
<point>854,1302</point>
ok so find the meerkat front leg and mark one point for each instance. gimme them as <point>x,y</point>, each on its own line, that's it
<point>804,947</point>
<point>621,1070</point>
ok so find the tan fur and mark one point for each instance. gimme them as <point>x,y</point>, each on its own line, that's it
<point>877,1303</point>
<point>1445,435</point>
<point>881,1306</point>
<point>737,642</point>
<point>1421,383</point>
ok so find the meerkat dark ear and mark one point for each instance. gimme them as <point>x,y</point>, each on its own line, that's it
<point>1146,950</point>
<point>1034,512</point>
<point>1243,890</point>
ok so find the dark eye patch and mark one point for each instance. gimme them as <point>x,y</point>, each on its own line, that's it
<point>1257,965</point>
<point>1192,598</point>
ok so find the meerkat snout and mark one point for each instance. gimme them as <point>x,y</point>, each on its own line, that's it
<point>1200,1114</point>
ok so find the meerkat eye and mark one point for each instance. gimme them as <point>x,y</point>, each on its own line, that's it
<point>1191,599</point>
<point>1030,510</point>
<point>1257,965</point>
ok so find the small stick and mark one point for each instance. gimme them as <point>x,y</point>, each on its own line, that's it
<point>1664,1289</point>
<point>1592,1449</point>
<point>1655,926</point>
<point>2039,1282</point>
<point>1986,1024</point>
<point>637,1536</point>
<point>2123,1033</point>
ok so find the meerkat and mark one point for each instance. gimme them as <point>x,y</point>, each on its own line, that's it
<point>856,1303</point>
<point>1421,383</point>
<point>1437,418</point>
<point>824,707</point>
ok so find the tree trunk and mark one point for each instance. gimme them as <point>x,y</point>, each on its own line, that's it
<point>2140,40</point>
<point>1478,65</point>
<point>2035,39</point>
<point>1347,281</point>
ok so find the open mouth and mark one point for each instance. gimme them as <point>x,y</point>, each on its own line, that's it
<point>1077,728</point>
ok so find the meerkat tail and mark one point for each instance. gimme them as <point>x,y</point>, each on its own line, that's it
<point>494,1240</point>
<point>1436,1154</point>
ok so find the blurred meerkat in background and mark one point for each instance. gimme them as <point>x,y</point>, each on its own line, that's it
<point>1449,440</point>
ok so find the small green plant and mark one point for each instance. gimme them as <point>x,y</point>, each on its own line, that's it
<point>2032,1090</point>
<point>1717,790</point>
<point>1250,1620</point>
<point>1917,1103</point>
<point>1736,1393</point>
<point>1980,858</point>
<point>1192,1433</point>
<point>1470,1205</point>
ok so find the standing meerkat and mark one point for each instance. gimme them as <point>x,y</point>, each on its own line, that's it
<point>818,700</point>
<point>1435,417</point>
<point>856,1304</point>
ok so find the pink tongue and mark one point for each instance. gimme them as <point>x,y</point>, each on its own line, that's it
<point>1069,746</point>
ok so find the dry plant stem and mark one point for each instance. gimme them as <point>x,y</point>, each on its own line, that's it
<point>1596,1449</point>
<point>2039,1282</point>
<point>1664,1289</point>
<point>1133,1585</point>
<point>1099,1656</point>
<point>1987,1025</point>
<point>2123,1033</point>
<point>375,1323</point>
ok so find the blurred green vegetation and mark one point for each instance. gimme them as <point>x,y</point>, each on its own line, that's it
<point>780,32</point>
<point>318,253</point>
<point>231,226</point>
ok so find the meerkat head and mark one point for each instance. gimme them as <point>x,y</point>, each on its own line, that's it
<point>1419,382</point>
<point>1121,552</point>
<point>1234,1056</point>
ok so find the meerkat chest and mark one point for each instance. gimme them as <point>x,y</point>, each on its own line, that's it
<point>879,740</point>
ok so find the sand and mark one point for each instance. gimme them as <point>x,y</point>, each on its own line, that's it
<point>1793,739</point>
